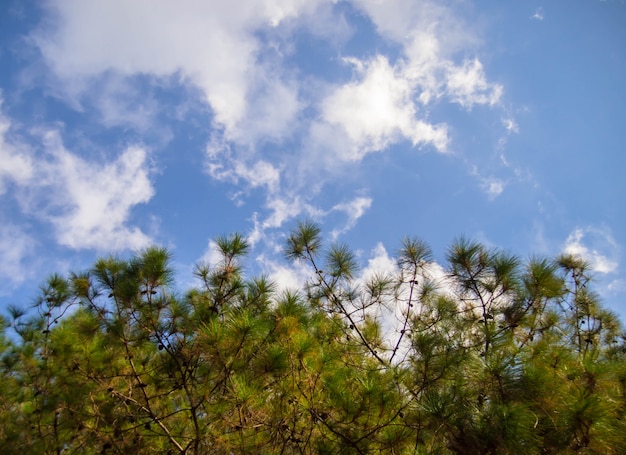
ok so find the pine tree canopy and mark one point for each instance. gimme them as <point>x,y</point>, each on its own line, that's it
<point>497,355</point>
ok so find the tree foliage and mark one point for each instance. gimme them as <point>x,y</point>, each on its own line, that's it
<point>499,356</point>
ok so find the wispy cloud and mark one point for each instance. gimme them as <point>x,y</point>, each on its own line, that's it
<point>16,166</point>
<point>354,210</point>
<point>120,102</point>
<point>224,166</point>
<point>538,14</point>
<point>83,42</point>
<point>89,203</point>
<point>492,186</point>
<point>617,286</point>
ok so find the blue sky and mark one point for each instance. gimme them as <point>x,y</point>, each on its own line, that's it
<point>129,123</point>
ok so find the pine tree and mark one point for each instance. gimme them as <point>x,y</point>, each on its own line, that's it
<point>503,356</point>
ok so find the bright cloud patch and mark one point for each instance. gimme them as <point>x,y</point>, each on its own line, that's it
<point>210,45</point>
<point>378,110</point>
<point>292,276</point>
<point>379,264</point>
<point>510,124</point>
<point>89,204</point>
<point>596,246</point>
<point>237,58</point>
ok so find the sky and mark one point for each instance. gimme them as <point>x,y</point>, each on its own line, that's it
<point>125,124</point>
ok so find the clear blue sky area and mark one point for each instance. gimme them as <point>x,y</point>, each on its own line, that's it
<point>130,123</point>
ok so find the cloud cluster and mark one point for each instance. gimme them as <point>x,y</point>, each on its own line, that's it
<point>208,44</point>
<point>378,109</point>
<point>236,54</point>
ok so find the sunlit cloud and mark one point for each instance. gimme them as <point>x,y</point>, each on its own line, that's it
<point>255,98</point>
<point>89,203</point>
<point>596,246</point>
<point>380,263</point>
<point>378,110</point>
<point>287,276</point>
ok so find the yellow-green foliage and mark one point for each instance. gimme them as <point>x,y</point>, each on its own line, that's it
<point>504,357</point>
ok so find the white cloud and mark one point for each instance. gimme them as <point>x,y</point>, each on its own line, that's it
<point>283,210</point>
<point>15,248</point>
<point>211,45</point>
<point>223,165</point>
<point>236,55</point>
<point>617,286</point>
<point>386,102</point>
<point>287,277</point>
<point>401,20</point>
<point>121,103</point>
<point>378,110</point>
<point>493,187</point>
<point>212,255</point>
<point>595,245</point>
<point>510,124</point>
<point>88,203</point>
<point>261,173</point>
<point>431,35</point>
<point>468,86</point>
<point>15,165</point>
<point>252,99</point>
<point>354,210</point>
<point>272,107</point>
<point>379,263</point>
<point>538,15</point>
